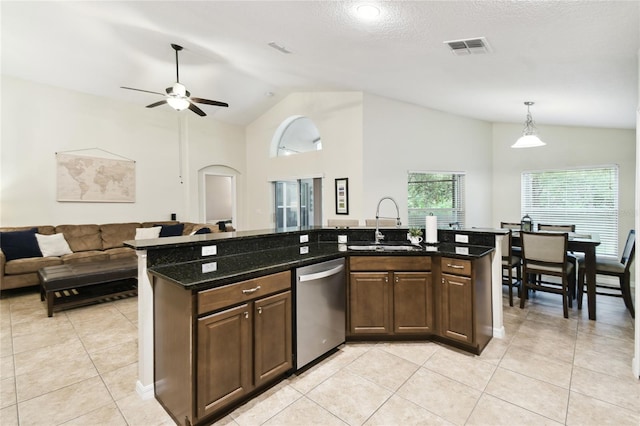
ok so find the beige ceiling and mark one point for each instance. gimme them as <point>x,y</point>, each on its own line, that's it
<point>578,60</point>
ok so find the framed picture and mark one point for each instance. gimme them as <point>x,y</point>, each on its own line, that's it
<point>342,196</point>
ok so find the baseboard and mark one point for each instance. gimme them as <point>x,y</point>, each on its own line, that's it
<point>145,392</point>
<point>636,367</point>
<point>499,332</point>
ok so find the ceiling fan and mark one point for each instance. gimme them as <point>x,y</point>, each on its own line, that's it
<point>178,97</point>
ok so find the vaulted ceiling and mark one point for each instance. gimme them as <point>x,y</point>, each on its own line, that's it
<point>578,60</point>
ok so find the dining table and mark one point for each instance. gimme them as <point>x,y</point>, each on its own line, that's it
<point>580,243</point>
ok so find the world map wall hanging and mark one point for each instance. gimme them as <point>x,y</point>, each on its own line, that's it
<point>83,178</point>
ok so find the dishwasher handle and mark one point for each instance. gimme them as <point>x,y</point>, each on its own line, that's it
<point>321,274</point>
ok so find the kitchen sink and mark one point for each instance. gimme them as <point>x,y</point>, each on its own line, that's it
<point>389,246</point>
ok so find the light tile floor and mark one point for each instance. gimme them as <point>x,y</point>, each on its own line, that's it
<point>80,367</point>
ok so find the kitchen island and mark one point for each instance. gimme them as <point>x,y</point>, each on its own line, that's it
<point>237,291</point>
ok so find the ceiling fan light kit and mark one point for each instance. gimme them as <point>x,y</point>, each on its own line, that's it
<point>529,138</point>
<point>177,103</point>
<point>177,96</point>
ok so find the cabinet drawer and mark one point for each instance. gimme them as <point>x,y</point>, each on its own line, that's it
<point>456,266</point>
<point>222,297</point>
<point>390,263</point>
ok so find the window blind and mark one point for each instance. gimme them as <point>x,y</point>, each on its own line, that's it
<point>440,194</point>
<point>584,197</point>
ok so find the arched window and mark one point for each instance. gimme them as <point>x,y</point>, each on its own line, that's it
<point>296,134</point>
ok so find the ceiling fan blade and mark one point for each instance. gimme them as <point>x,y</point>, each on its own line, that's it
<point>155,104</point>
<point>209,102</point>
<point>140,90</point>
<point>197,110</point>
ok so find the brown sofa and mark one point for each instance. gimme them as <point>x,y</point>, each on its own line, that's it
<point>87,242</point>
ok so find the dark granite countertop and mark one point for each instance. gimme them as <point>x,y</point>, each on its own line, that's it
<point>229,269</point>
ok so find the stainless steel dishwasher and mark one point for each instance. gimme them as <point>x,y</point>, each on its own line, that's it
<point>320,294</point>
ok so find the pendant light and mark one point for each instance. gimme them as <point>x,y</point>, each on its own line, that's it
<point>529,138</point>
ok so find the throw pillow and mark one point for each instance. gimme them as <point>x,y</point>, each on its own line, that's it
<point>146,233</point>
<point>203,230</point>
<point>53,245</point>
<point>20,244</point>
<point>172,230</point>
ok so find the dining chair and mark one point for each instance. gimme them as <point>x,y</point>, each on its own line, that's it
<point>513,226</point>
<point>572,257</point>
<point>509,262</point>
<point>606,265</point>
<point>545,253</point>
<point>384,223</point>
<point>557,228</point>
<point>342,223</point>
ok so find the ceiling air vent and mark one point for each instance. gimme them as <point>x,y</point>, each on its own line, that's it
<point>469,46</point>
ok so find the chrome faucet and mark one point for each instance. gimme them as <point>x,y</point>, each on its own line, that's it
<point>378,234</point>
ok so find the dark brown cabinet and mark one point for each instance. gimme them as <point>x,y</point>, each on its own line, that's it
<point>272,338</point>
<point>370,303</point>
<point>447,299</point>
<point>242,348</point>
<point>457,320</point>
<point>412,302</point>
<point>226,338</point>
<point>390,302</point>
<point>465,301</point>
<point>242,341</point>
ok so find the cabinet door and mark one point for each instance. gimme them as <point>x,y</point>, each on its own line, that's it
<point>369,303</point>
<point>412,302</point>
<point>272,337</point>
<point>225,358</point>
<point>457,308</point>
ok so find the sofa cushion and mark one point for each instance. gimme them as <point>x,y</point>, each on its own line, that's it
<point>32,264</point>
<point>172,230</point>
<point>81,237</point>
<point>20,244</point>
<point>203,230</point>
<point>21,280</point>
<point>85,256</point>
<point>44,230</point>
<point>147,233</point>
<point>113,234</point>
<point>121,253</point>
<point>160,223</point>
<point>53,245</point>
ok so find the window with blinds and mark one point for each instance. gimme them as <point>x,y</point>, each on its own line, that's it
<point>585,197</point>
<point>440,194</point>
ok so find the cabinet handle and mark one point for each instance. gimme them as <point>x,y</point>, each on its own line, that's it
<point>260,310</point>
<point>455,266</point>
<point>251,290</point>
<point>442,280</point>
<point>246,314</point>
<point>386,279</point>
<point>397,280</point>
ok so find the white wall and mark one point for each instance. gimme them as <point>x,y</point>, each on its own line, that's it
<point>566,147</point>
<point>401,137</point>
<point>338,117</point>
<point>43,120</point>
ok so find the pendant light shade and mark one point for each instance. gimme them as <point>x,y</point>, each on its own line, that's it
<point>529,138</point>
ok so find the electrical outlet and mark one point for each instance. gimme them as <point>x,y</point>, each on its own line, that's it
<point>209,250</point>
<point>209,267</point>
<point>304,250</point>
<point>304,238</point>
<point>462,250</point>
<point>462,239</point>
